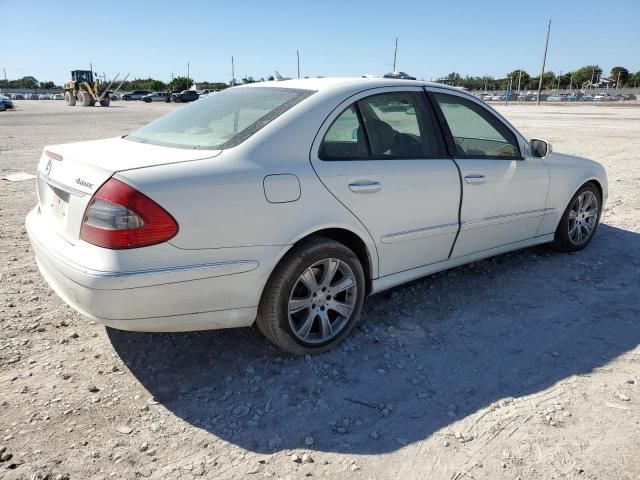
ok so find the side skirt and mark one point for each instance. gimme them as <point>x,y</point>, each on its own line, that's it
<point>393,280</point>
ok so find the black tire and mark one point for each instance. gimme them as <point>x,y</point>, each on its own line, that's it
<point>273,313</point>
<point>563,241</point>
<point>70,99</point>
<point>105,102</point>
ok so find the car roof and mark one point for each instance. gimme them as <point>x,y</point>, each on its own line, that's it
<point>331,83</point>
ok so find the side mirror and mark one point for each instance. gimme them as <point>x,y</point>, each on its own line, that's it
<point>540,148</point>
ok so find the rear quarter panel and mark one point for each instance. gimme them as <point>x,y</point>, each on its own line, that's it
<point>220,202</point>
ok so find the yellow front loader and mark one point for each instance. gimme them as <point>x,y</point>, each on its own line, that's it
<point>82,88</point>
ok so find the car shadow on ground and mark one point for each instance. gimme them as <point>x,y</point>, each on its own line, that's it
<point>422,357</point>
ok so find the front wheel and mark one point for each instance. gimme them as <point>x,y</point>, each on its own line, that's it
<point>580,220</point>
<point>84,98</point>
<point>313,298</point>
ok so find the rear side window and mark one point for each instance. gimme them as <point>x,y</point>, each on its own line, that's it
<point>476,132</point>
<point>385,126</point>
<point>345,138</point>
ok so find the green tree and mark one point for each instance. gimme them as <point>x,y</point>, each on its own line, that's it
<point>180,83</point>
<point>520,75</point>
<point>634,80</point>
<point>623,72</point>
<point>582,77</point>
<point>549,81</point>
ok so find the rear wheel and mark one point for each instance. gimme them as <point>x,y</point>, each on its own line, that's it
<point>105,102</point>
<point>313,298</point>
<point>580,220</point>
<point>70,98</point>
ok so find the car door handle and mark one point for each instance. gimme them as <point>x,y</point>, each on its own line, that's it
<point>474,179</point>
<point>365,187</point>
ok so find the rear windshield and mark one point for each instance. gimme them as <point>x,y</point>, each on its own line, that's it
<point>222,120</point>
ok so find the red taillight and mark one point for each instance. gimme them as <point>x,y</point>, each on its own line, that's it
<point>53,156</point>
<point>118,216</point>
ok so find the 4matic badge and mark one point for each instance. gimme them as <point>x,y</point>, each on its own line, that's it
<point>84,183</point>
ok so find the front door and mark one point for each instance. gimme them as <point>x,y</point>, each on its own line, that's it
<point>382,155</point>
<point>504,193</point>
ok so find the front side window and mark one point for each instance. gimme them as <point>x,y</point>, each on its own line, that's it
<point>384,126</point>
<point>220,121</point>
<point>476,132</point>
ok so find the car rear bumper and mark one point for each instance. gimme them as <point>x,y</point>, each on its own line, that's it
<point>204,296</point>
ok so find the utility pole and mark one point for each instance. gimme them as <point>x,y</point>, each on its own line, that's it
<point>395,53</point>
<point>298,58</point>
<point>5,73</point>
<point>593,73</point>
<point>233,74</point>
<point>544,61</point>
<point>485,83</point>
<point>188,81</point>
<point>571,83</point>
<point>559,76</point>
<point>519,79</point>
<point>618,81</point>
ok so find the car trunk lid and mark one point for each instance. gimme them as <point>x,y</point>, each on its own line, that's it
<point>69,175</point>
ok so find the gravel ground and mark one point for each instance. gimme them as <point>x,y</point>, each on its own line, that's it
<point>524,366</point>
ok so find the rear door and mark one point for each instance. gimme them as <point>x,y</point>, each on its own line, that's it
<point>504,193</point>
<point>383,156</point>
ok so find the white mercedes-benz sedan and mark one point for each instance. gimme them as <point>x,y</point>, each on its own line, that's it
<point>286,203</point>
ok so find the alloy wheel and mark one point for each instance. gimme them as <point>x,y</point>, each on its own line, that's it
<point>583,217</point>
<point>322,301</point>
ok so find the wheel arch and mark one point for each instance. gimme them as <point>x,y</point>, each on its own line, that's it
<point>347,237</point>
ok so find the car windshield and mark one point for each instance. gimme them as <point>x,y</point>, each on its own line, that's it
<point>220,121</point>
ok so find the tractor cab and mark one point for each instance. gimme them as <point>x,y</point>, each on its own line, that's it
<point>82,76</point>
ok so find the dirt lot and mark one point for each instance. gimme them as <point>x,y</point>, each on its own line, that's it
<point>524,366</point>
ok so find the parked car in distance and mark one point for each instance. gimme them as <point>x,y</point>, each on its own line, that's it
<point>399,75</point>
<point>17,96</point>
<point>185,96</point>
<point>5,102</point>
<point>57,96</point>
<point>628,96</point>
<point>135,95</point>
<point>556,98</point>
<point>157,97</point>
<point>32,96</point>
<point>209,217</point>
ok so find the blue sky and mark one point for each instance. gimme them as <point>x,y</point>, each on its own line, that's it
<point>156,39</point>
